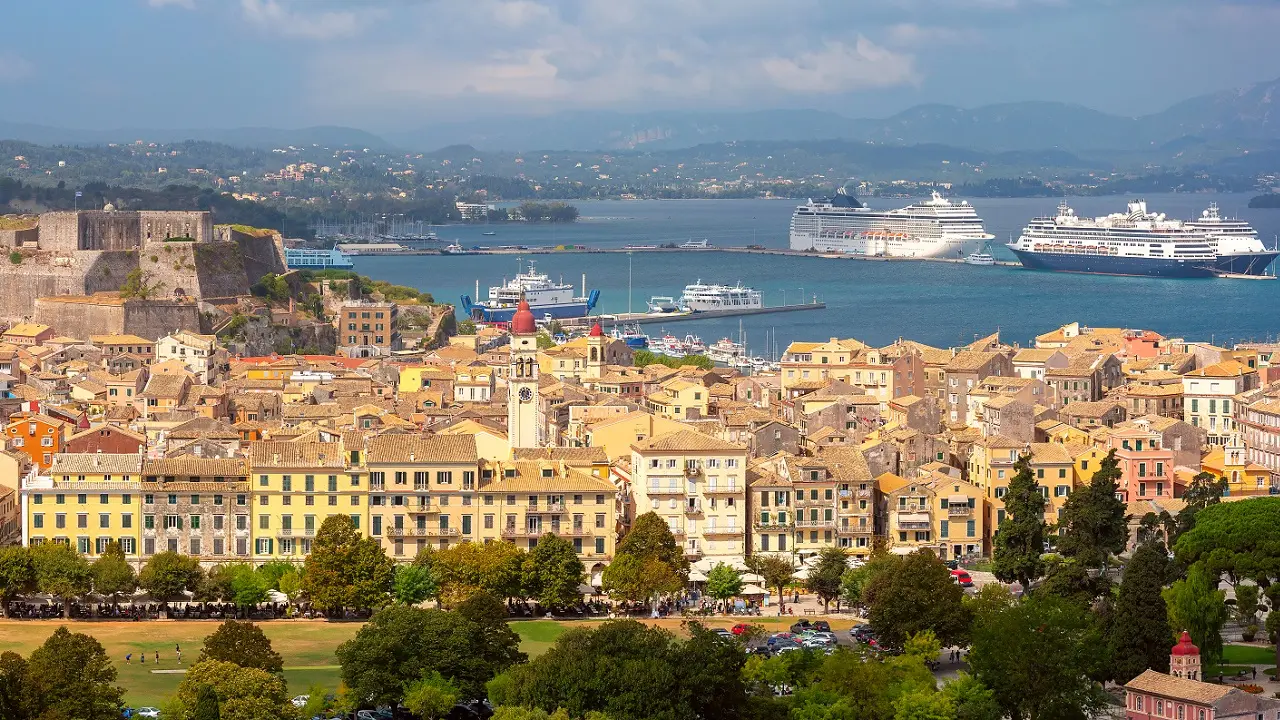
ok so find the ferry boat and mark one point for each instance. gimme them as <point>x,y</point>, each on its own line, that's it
<point>726,351</point>
<point>454,249</point>
<point>1236,243</point>
<point>672,346</point>
<point>1136,242</point>
<point>547,299</point>
<point>317,259</point>
<point>663,304</point>
<point>695,245</point>
<point>980,258</point>
<point>935,228</point>
<point>632,335</point>
<point>700,297</point>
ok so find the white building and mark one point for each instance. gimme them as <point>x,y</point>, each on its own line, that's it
<point>198,352</point>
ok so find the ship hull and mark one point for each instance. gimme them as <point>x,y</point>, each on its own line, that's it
<point>1254,263</point>
<point>923,249</point>
<point>1113,265</point>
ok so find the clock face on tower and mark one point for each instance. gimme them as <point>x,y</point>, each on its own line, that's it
<point>526,394</point>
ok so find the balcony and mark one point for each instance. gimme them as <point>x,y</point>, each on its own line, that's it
<point>815,524</point>
<point>309,532</point>
<point>721,531</point>
<point>422,532</point>
<point>814,503</point>
<point>678,531</point>
<point>959,511</point>
<point>722,490</point>
<point>377,487</point>
<point>421,509</point>
<point>285,532</point>
<point>853,530</point>
<point>556,507</point>
<point>772,526</point>
<point>909,522</point>
<point>692,470</point>
<point>669,490</point>
<point>862,493</point>
<point>694,509</point>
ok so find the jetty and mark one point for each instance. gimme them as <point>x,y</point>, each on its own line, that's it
<point>648,318</point>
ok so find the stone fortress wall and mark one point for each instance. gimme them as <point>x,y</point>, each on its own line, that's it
<point>93,251</point>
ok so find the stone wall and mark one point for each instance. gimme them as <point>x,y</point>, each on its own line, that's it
<point>81,317</point>
<point>48,274</point>
<point>120,230</point>
<point>10,239</point>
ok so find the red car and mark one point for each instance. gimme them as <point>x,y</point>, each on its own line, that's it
<point>962,578</point>
<point>739,628</point>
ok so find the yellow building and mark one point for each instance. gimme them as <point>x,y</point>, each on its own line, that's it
<point>423,377</point>
<point>296,486</point>
<point>698,485</point>
<point>934,511</point>
<point>491,444</point>
<point>1231,463</point>
<point>86,500</point>
<point>521,500</point>
<point>679,399</point>
<point>885,376</point>
<point>422,490</point>
<point>617,434</point>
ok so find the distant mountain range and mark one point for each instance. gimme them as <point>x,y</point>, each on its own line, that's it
<point>1232,121</point>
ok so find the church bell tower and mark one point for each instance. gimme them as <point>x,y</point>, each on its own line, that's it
<point>522,380</point>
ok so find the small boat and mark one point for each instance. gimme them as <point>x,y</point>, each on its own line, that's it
<point>489,233</point>
<point>632,336</point>
<point>663,304</point>
<point>726,351</point>
<point>695,245</point>
<point>980,258</point>
<point>454,249</point>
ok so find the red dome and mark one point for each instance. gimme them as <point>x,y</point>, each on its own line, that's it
<point>596,331</point>
<point>1185,646</point>
<point>522,322</point>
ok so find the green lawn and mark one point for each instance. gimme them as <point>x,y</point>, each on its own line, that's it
<point>1248,655</point>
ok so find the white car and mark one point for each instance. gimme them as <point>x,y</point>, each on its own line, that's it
<point>148,712</point>
<point>300,700</point>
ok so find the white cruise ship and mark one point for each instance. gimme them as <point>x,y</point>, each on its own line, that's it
<point>699,297</point>
<point>1235,241</point>
<point>935,228</point>
<point>1135,242</point>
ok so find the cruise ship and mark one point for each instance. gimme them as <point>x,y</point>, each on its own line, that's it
<point>546,298</point>
<point>935,228</point>
<point>1136,242</point>
<point>1236,243</point>
<point>700,297</point>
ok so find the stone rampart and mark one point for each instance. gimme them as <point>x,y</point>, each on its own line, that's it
<point>80,316</point>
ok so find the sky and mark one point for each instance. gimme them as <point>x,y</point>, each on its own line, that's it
<point>392,65</point>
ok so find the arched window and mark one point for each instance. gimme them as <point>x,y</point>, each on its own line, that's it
<point>1160,708</point>
<point>1182,712</point>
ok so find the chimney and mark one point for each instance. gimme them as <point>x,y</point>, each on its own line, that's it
<point>198,451</point>
<point>412,457</point>
<point>275,458</point>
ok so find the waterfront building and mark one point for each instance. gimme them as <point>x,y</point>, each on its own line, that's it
<point>422,491</point>
<point>936,512</point>
<point>1033,363</point>
<point>1208,394</point>
<point>867,369</point>
<point>368,329</point>
<point>196,506</point>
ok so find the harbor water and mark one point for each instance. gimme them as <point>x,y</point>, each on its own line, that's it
<point>941,304</point>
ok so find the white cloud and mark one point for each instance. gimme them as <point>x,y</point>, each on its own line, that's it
<point>911,35</point>
<point>185,4</point>
<point>14,68</point>
<point>304,20</point>
<point>557,54</point>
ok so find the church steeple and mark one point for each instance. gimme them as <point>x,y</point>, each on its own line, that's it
<point>522,380</point>
<point>1184,659</point>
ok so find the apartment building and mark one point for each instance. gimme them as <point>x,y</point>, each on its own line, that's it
<point>1259,420</point>
<point>368,329</point>
<point>1208,394</point>
<point>296,486</point>
<point>37,436</point>
<point>936,512</point>
<point>196,506</point>
<point>869,370</point>
<point>1085,378</point>
<point>965,372</point>
<point>1033,363</point>
<point>772,516</point>
<point>85,500</point>
<point>1146,465</point>
<point>698,485</point>
<point>422,491</point>
<point>199,353</point>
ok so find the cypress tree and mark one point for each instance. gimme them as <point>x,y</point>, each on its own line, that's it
<point>1139,636</point>
<point>1094,520</point>
<point>1020,538</point>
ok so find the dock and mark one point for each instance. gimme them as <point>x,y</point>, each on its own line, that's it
<point>651,318</point>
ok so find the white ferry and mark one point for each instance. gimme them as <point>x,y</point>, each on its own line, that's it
<point>1239,250</point>
<point>980,258</point>
<point>936,228</point>
<point>700,297</point>
<point>546,298</point>
<point>695,245</point>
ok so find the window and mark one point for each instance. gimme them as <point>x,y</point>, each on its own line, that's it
<point>104,520</point>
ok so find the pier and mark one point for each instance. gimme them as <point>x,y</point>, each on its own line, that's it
<point>650,318</point>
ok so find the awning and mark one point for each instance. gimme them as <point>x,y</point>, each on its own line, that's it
<point>585,589</point>
<point>697,576</point>
<point>913,518</point>
<point>802,573</point>
<point>902,550</point>
<point>753,590</point>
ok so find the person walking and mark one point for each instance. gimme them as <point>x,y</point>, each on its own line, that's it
<point>128,659</point>
<point>157,657</point>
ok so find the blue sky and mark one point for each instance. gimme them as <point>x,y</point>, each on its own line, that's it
<point>387,65</point>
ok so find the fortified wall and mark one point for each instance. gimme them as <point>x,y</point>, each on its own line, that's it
<point>94,251</point>
<point>80,316</point>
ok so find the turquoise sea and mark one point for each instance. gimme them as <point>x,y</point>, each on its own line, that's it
<point>941,304</point>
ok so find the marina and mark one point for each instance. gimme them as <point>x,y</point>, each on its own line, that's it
<point>651,318</point>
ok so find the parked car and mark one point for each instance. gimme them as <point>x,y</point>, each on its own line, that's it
<point>861,632</point>
<point>952,564</point>
<point>819,643</point>
<point>148,712</point>
<point>723,633</point>
<point>962,578</point>
<point>739,628</point>
<point>300,700</point>
<point>822,626</point>
<point>800,626</point>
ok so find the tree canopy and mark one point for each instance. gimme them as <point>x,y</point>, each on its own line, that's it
<point>1197,606</point>
<point>244,644</point>
<point>1236,538</point>
<point>62,572</point>
<point>414,584</point>
<point>778,571</point>
<point>1138,634</point>
<point>1094,522</point>
<point>466,568</point>
<point>70,676</point>
<point>553,573</point>
<point>826,576</point>
<point>345,570</point>
<point>166,575</point>
<point>112,574</point>
<point>242,693</point>
<point>723,582</point>
<point>913,594</point>
<point>17,574</point>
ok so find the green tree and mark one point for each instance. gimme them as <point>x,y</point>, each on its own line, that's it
<point>1236,538</point>
<point>852,583</point>
<point>112,574</point>
<point>544,341</point>
<point>17,575</point>
<point>826,576</point>
<point>70,676</point>
<point>467,327</point>
<point>1094,522</point>
<point>499,646</point>
<point>636,579</point>
<point>1247,608</point>
<point>723,582</point>
<point>913,594</point>
<point>1197,606</point>
<point>138,285</point>
<point>1138,633</point>
<point>14,695</point>
<point>345,570</point>
<point>431,698</point>
<point>1069,580</point>
<point>553,573</point>
<point>291,586</point>
<point>467,568</point>
<point>650,538</point>
<point>1019,541</point>
<point>244,644</point>
<point>207,706</point>
<point>242,693</point>
<point>61,572</point>
<point>777,571</point>
<point>1037,657</point>
<point>168,574</point>
<point>924,706</point>
<point>1202,492</point>
<point>924,645</point>
<point>414,584</point>
<point>250,588</point>
<point>273,571</point>
<point>401,644</point>
<point>972,700</point>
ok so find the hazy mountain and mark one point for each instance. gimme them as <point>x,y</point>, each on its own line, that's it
<point>1227,118</point>
<point>255,137</point>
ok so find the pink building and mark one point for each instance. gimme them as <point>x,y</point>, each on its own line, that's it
<point>1146,465</point>
<point>1181,695</point>
<point>1142,344</point>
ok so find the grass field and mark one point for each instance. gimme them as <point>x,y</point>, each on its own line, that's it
<point>1248,655</point>
<point>308,648</point>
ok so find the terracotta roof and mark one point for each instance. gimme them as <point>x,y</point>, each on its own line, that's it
<point>1034,355</point>
<point>203,428</point>
<point>1157,683</point>
<point>192,466</point>
<point>119,340</point>
<point>1002,442</point>
<point>1054,453</point>
<point>758,477</point>
<point>1090,409</point>
<point>970,360</point>
<point>571,456</point>
<point>268,453</point>
<point>27,329</point>
<point>686,440</point>
<point>404,449</point>
<point>166,386</point>
<point>95,463</point>
<point>529,478</point>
